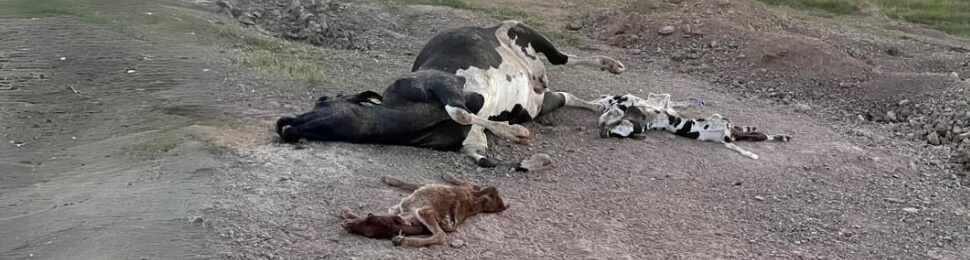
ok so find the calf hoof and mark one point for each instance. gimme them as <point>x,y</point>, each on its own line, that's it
<point>397,240</point>
<point>639,137</point>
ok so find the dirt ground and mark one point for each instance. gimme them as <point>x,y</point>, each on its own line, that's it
<point>176,160</point>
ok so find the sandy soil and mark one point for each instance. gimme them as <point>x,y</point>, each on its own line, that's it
<point>83,187</point>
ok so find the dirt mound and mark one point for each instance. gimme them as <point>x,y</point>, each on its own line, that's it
<point>804,57</point>
<point>324,23</point>
<point>739,43</point>
<point>849,70</point>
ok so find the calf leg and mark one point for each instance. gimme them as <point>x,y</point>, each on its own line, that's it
<point>427,217</point>
<point>395,182</point>
<point>747,133</point>
<point>734,147</point>
<point>455,181</point>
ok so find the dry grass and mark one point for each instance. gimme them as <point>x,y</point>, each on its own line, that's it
<point>951,16</point>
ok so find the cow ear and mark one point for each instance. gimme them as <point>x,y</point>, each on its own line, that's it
<point>369,95</point>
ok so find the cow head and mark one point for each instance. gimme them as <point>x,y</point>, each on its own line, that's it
<point>366,98</point>
<point>327,109</point>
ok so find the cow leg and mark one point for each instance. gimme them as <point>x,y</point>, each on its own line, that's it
<point>541,44</point>
<point>601,62</point>
<point>455,106</point>
<point>552,101</point>
<point>475,145</point>
<point>427,217</point>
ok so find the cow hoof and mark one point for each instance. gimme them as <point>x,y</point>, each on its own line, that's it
<point>520,134</point>
<point>612,65</point>
<point>639,137</point>
<point>486,163</point>
<point>604,133</point>
<point>397,240</point>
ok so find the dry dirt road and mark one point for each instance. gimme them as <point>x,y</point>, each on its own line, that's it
<point>85,184</point>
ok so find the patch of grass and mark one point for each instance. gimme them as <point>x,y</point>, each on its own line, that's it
<point>158,143</point>
<point>951,16</point>
<point>153,21</point>
<point>33,9</point>
<point>557,36</point>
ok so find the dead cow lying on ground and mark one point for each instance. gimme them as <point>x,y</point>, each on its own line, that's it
<point>436,208</point>
<point>463,82</point>
<point>631,116</point>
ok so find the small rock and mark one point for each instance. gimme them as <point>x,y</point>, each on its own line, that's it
<point>678,56</point>
<point>903,102</point>
<point>666,30</point>
<point>574,26</point>
<point>759,198</point>
<point>198,220</point>
<point>894,200</point>
<point>911,210</point>
<point>802,108</point>
<point>891,116</point>
<point>723,2</point>
<point>457,243</point>
<point>933,138</point>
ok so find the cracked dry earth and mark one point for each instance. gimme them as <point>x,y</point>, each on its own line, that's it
<point>75,191</point>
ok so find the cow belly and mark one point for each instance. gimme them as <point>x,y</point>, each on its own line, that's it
<point>508,96</point>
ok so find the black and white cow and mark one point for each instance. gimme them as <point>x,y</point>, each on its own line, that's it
<point>630,116</point>
<point>463,82</point>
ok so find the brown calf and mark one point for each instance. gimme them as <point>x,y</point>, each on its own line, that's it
<point>433,207</point>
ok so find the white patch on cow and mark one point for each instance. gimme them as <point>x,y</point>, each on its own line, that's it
<point>511,83</point>
<point>625,128</point>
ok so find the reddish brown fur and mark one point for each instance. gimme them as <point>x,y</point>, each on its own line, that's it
<point>433,207</point>
<point>381,226</point>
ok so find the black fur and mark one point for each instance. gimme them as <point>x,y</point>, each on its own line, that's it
<point>525,36</point>
<point>411,110</point>
<point>460,48</point>
<point>685,130</point>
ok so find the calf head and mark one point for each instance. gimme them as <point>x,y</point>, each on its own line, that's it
<point>615,108</point>
<point>489,201</point>
<point>381,226</point>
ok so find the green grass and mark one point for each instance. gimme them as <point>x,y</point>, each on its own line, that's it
<point>158,23</point>
<point>557,36</point>
<point>951,16</point>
